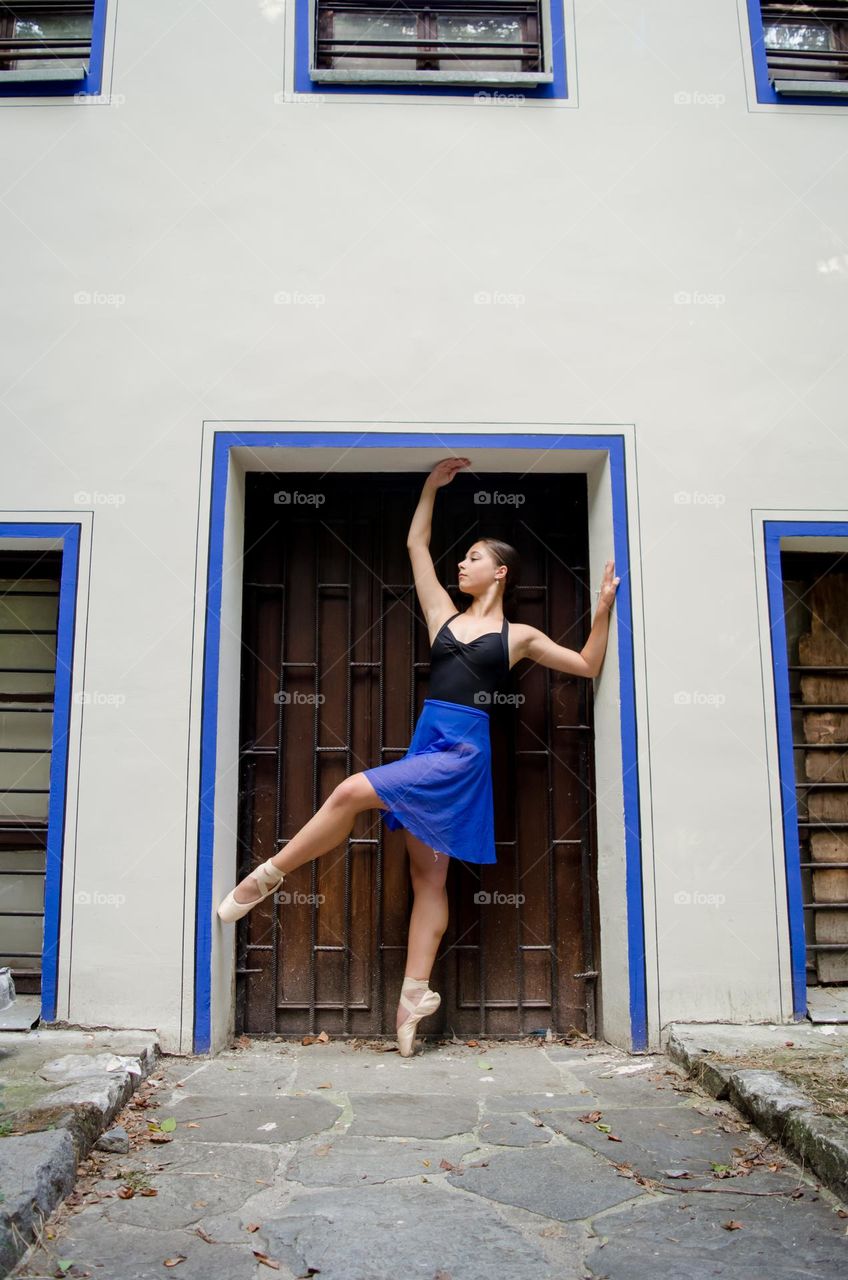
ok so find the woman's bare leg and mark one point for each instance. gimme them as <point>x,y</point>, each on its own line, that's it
<point>324,831</point>
<point>428,869</point>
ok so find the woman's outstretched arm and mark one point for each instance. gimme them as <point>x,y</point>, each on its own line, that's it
<point>435,602</point>
<point>538,647</point>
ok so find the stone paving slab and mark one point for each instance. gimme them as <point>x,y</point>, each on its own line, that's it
<point>352,1161</point>
<point>247,1118</point>
<point>272,1073</point>
<point>505,1130</point>
<point>136,1253</point>
<point>654,1139</point>
<point>639,1081</point>
<point>402,1231</point>
<point>336,1200</point>
<point>408,1115</point>
<point>682,1237</point>
<point>191,1190</point>
<point>563,1183</point>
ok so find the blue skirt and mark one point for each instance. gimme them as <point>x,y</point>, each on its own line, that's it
<point>441,790</point>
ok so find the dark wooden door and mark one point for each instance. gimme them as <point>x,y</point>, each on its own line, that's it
<point>334,674</point>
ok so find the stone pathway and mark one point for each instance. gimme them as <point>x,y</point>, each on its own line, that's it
<point>351,1163</point>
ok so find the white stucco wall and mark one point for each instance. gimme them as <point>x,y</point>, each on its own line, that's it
<point>195,197</point>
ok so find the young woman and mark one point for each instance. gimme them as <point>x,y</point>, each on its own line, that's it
<point>441,790</point>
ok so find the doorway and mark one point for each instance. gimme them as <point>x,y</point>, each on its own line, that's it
<point>333,675</point>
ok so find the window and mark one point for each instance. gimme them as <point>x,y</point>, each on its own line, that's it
<point>806,47</point>
<point>446,42</point>
<point>51,46</point>
<point>29,605</point>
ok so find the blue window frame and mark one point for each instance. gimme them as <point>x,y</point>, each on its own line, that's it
<point>68,535</point>
<point>556,87</point>
<point>73,33</point>
<point>800,51</point>
<point>775,532</point>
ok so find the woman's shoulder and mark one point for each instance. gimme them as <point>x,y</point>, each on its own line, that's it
<point>520,635</point>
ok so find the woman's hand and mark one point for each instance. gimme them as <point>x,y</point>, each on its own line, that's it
<point>444,471</point>
<point>609,586</point>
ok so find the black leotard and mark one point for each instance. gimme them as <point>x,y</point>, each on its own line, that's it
<point>460,669</point>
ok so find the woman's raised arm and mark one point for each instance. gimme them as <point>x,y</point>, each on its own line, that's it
<point>434,600</point>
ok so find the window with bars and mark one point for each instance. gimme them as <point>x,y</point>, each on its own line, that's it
<point>451,42</point>
<point>806,47</point>
<point>47,40</point>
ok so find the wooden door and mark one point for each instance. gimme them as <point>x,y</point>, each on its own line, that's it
<point>334,674</point>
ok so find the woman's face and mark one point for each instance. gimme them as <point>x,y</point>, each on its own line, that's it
<point>477,570</point>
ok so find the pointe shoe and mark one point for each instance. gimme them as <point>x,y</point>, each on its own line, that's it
<point>268,878</point>
<point>428,1004</point>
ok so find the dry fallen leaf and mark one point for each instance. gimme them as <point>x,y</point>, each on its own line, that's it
<point>327,1085</point>
<point>269,1262</point>
<point>252,1226</point>
<point>175,1261</point>
<point>126,1193</point>
<point>148,1191</point>
<point>591,1117</point>
<point>732,1225</point>
<point>205,1235</point>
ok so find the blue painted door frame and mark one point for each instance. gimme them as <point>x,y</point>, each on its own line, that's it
<point>613,446</point>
